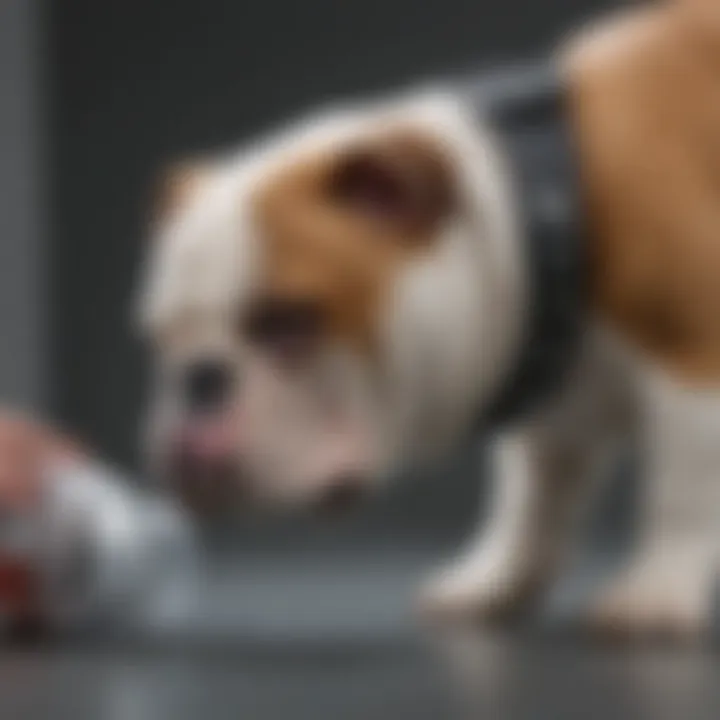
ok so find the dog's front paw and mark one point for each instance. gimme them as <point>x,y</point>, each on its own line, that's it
<point>663,596</point>
<point>489,587</point>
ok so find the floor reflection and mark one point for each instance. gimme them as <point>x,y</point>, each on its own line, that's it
<point>501,675</point>
<point>433,675</point>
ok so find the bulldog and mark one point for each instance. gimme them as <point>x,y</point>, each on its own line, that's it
<point>537,260</point>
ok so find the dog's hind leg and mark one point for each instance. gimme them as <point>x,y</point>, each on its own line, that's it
<point>668,584</point>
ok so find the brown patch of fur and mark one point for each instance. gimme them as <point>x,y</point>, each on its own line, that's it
<point>176,186</point>
<point>322,250</point>
<point>647,110</point>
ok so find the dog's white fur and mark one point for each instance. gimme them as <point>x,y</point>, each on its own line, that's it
<point>450,337</point>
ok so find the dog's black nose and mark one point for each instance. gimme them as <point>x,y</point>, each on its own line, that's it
<point>207,385</point>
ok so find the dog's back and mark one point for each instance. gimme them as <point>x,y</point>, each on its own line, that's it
<point>647,112</point>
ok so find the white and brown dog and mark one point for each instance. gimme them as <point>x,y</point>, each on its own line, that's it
<point>348,296</point>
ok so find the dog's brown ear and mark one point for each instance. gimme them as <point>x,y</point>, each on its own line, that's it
<point>176,184</point>
<point>404,180</point>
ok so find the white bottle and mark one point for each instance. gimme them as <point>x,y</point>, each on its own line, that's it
<point>104,553</point>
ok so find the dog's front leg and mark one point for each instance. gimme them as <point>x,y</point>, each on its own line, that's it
<point>545,471</point>
<point>514,553</point>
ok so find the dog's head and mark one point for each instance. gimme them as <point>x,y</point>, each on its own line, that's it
<point>328,305</point>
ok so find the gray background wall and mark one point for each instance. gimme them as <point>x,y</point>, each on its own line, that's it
<point>22,208</point>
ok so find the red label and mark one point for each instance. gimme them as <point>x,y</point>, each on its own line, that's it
<point>19,587</point>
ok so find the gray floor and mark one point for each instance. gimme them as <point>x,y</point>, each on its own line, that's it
<point>331,636</point>
<point>505,678</point>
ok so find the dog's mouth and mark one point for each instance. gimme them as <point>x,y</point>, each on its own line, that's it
<point>208,469</point>
<point>202,464</point>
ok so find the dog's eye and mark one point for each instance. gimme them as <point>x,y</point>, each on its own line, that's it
<point>289,329</point>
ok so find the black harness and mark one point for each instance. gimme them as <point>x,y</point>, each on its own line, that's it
<point>526,110</point>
